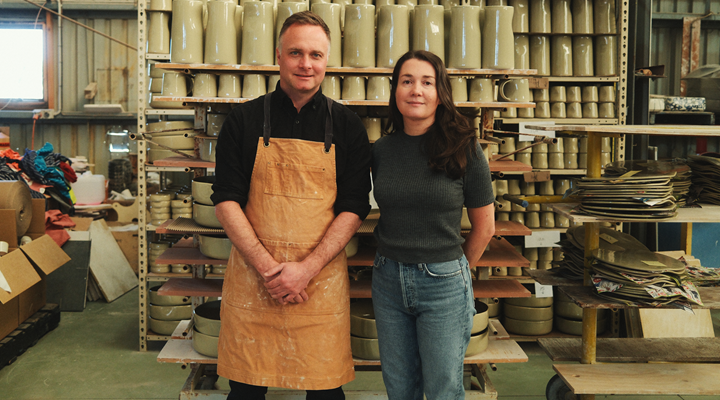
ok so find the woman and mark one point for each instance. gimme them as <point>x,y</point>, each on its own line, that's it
<point>424,170</point>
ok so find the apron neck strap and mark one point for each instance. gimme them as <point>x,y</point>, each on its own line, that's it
<point>328,123</point>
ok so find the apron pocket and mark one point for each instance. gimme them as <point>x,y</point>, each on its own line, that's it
<point>295,180</point>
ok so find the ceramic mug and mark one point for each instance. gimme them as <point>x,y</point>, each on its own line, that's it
<point>378,88</point>
<point>590,110</point>
<point>497,38</point>
<point>186,44</point>
<point>155,85</point>
<point>459,89</point>
<point>525,158</point>
<point>604,16</point>
<point>464,37</point>
<point>606,56</point>
<point>272,82</point>
<point>158,32</point>
<point>522,52</point>
<point>546,188</point>
<point>547,219</point>
<point>482,90</point>
<point>560,186</point>
<point>373,128</point>
<point>175,85</point>
<point>571,144</point>
<point>527,188</point>
<point>583,16</point>
<point>258,34</point>
<point>540,19</point>
<point>573,94</point>
<point>606,110</point>
<point>429,29</point>
<point>557,147</point>
<point>205,85</point>
<point>540,54</point>
<point>221,35</point>
<point>556,160</point>
<point>540,148</point>
<point>353,88</point>
<point>502,216</point>
<point>590,94</point>
<point>521,15</point>
<point>557,110</point>
<point>573,110</point>
<point>514,90</point>
<point>508,146</point>
<point>583,56</point>
<point>532,220</point>
<point>541,95</point>
<point>540,160</point>
<point>526,112</point>
<point>606,94</point>
<point>542,109</point>
<point>558,94</point>
<point>393,35</point>
<point>229,86</point>
<point>562,21</point>
<point>561,55</point>
<point>571,160</point>
<point>359,38</point>
<point>282,11</point>
<point>331,14</point>
<point>254,85</point>
<point>332,87</point>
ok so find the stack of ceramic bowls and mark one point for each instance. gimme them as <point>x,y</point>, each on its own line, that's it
<point>215,246</point>
<point>573,107</point>
<point>528,315</point>
<point>363,332</point>
<point>570,157</point>
<point>524,156</point>
<point>219,269</point>
<point>542,103</point>
<point>203,208</point>
<point>558,98</point>
<point>540,156</point>
<point>556,159</point>
<point>545,257</point>
<point>180,209</point>
<point>479,331</point>
<point>180,268</point>
<point>160,207</point>
<point>206,331</point>
<point>606,98</point>
<point>166,312</point>
<point>156,249</point>
<point>178,135</point>
<point>568,316</point>
<point>590,101</point>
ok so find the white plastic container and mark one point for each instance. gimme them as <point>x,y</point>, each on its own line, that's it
<point>89,189</point>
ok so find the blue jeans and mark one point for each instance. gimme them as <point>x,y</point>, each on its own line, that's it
<point>423,314</point>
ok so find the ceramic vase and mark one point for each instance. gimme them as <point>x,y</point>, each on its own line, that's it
<point>606,56</point>
<point>540,20</point>
<point>359,36</point>
<point>562,19</point>
<point>284,10</point>
<point>258,33</point>
<point>583,19</point>
<point>561,55</point>
<point>583,56</point>
<point>429,30</point>
<point>540,54</point>
<point>522,51</point>
<point>465,37</point>
<point>158,32</point>
<point>221,35</point>
<point>497,38</point>
<point>521,15</point>
<point>187,32</point>
<point>604,16</point>
<point>331,13</point>
<point>393,34</point>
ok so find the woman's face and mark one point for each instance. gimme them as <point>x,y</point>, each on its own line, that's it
<point>416,94</point>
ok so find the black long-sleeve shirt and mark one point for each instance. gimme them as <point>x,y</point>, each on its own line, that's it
<point>238,141</point>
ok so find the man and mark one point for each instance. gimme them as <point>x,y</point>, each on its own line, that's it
<point>292,189</point>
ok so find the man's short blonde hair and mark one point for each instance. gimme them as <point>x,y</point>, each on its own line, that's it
<point>303,18</point>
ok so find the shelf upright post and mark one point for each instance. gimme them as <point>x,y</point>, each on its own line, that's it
<point>142,182</point>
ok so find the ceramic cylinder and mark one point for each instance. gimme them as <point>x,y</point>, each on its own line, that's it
<point>482,90</point>
<point>557,147</point>
<point>229,86</point>
<point>282,12</point>
<point>525,158</point>
<point>343,4</point>
<point>353,88</point>
<point>547,219</point>
<point>540,54</point>
<point>526,113</point>
<point>606,56</point>
<point>465,37</point>
<point>497,38</point>
<point>590,94</point>
<point>606,110</point>
<point>254,85</point>
<point>573,94</point>
<point>158,32</point>
<point>546,188</point>
<point>522,52</point>
<point>378,88</point>
<point>238,31</point>
<point>573,110</point>
<point>382,3</point>
<point>540,17</point>
<point>359,39</point>
<point>571,144</point>
<point>272,81</point>
<point>521,15</point>
<point>583,20</point>
<point>393,35</point>
<point>258,33</point>
<point>514,90</point>
<point>561,56</point>
<point>556,161</point>
<point>160,5</point>
<point>583,53</point>
<point>557,110</point>
<point>540,160</point>
<point>558,94</point>
<point>532,220</point>
<point>459,89</point>
<point>221,35</point>
<point>187,32</point>
<point>332,87</point>
<point>541,95</point>
<point>607,94</point>
<point>562,20</point>
<point>175,84</point>
<point>205,85</point>
<point>330,13</point>
<point>429,30</point>
<point>373,126</point>
<point>571,160</point>
<point>542,109</point>
<point>604,16</point>
<point>590,110</point>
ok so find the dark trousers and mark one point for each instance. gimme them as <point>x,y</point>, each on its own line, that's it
<point>243,391</point>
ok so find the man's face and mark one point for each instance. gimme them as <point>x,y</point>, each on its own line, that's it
<point>302,57</point>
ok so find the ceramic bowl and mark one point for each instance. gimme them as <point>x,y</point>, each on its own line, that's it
<point>219,269</point>
<point>365,348</point>
<point>575,327</point>
<point>207,318</point>
<point>362,319</point>
<point>205,344</point>
<point>159,268</point>
<point>185,132</point>
<point>159,154</point>
<point>168,125</point>
<point>528,313</point>
<point>478,343</point>
<point>158,300</point>
<point>169,313</point>
<point>480,320</point>
<point>352,247</point>
<point>205,215</point>
<point>568,310</point>
<point>215,246</point>
<point>202,189</point>
<point>162,327</point>
<point>206,148</point>
<point>533,328</point>
<point>179,142</point>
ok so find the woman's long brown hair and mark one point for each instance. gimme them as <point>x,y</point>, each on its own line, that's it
<point>451,136</point>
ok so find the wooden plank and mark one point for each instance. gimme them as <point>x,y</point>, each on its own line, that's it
<point>690,379</point>
<point>191,287</point>
<point>511,228</point>
<point>508,166</point>
<point>708,213</point>
<point>187,255</point>
<point>481,288</point>
<point>577,121</point>
<point>550,277</point>
<point>662,130</point>
<point>585,297</point>
<point>183,162</point>
<point>108,264</point>
<point>679,350</point>
<point>676,324</point>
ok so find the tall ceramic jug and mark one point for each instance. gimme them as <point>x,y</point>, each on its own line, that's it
<point>465,37</point>
<point>331,14</point>
<point>284,10</point>
<point>187,32</point>
<point>359,40</point>
<point>498,50</point>
<point>258,33</point>
<point>429,30</point>
<point>393,32</point>
<point>158,32</point>
<point>221,35</point>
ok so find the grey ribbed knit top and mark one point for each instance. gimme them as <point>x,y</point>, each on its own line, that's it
<point>420,210</point>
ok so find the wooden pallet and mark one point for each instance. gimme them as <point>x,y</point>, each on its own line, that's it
<point>28,333</point>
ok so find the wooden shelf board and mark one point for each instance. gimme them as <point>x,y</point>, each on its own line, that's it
<point>662,130</point>
<point>154,111</point>
<point>550,277</point>
<point>163,228</point>
<point>561,230</point>
<point>682,350</point>
<point>708,213</point>
<point>583,78</point>
<point>179,329</point>
<point>187,255</point>
<point>362,289</point>
<point>508,166</point>
<point>511,228</point>
<point>585,297</point>
<point>578,121</point>
<point>689,379</point>
<point>191,287</point>
<point>378,103</point>
<point>553,172</point>
<point>500,332</point>
<point>168,275</point>
<point>522,279</point>
<point>183,162</point>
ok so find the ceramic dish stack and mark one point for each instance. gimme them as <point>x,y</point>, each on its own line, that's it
<point>156,249</point>
<point>479,332</point>
<point>180,208</point>
<point>160,207</point>
<point>568,316</point>
<point>706,177</point>
<point>180,268</point>
<point>556,156</point>
<point>363,332</point>
<point>529,316</point>
<point>166,312</point>
<point>155,81</point>
<point>681,182</point>
<point>203,208</point>
<point>206,330</point>
<point>178,135</point>
<point>218,269</point>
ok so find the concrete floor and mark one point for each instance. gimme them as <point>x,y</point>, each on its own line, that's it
<point>94,355</point>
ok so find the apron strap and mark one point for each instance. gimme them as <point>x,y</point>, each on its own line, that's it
<point>328,123</point>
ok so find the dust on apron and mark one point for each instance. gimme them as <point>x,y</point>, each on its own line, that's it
<point>290,206</point>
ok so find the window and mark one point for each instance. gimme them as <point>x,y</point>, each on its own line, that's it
<point>23,66</point>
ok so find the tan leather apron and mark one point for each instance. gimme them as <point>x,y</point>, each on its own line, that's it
<point>290,206</point>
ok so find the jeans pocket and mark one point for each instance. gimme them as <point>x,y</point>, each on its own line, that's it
<point>379,261</point>
<point>446,269</point>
